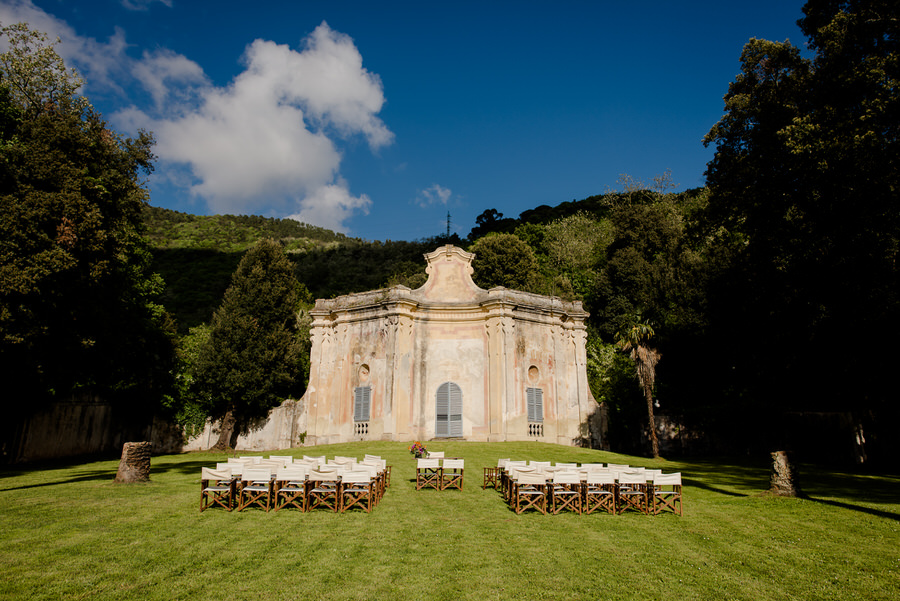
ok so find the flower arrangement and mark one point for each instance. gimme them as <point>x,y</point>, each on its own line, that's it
<point>418,449</point>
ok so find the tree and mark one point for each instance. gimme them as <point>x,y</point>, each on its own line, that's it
<point>504,260</point>
<point>635,341</point>
<point>252,359</point>
<point>79,307</point>
<point>34,73</point>
<point>805,179</point>
<point>573,244</point>
<point>649,265</point>
<point>491,220</point>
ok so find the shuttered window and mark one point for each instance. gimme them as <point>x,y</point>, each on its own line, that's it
<point>448,404</point>
<point>535,404</point>
<point>362,400</point>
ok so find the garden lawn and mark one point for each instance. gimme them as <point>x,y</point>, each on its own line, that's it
<point>68,532</point>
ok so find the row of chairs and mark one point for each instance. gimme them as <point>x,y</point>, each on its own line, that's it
<point>587,488</point>
<point>279,482</point>
<point>439,474</point>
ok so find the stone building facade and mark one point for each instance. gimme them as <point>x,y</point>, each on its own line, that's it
<point>448,360</point>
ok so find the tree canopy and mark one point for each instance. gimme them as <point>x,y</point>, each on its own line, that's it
<point>78,302</point>
<point>253,358</point>
<point>504,260</point>
<point>805,180</point>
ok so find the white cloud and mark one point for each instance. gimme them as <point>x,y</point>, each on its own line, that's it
<point>433,195</point>
<point>266,143</point>
<point>164,73</point>
<point>327,79</point>
<point>329,206</point>
<point>246,149</point>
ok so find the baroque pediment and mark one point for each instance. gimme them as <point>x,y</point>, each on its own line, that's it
<point>449,276</point>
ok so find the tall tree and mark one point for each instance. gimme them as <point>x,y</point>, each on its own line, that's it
<point>635,340</point>
<point>252,359</point>
<point>806,178</point>
<point>78,302</point>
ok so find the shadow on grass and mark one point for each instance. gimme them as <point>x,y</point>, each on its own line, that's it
<point>724,476</point>
<point>92,475</point>
<point>98,475</point>
<point>823,486</point>
<point>189,467</point>
<point>869,510</point>
<point>716,489</point>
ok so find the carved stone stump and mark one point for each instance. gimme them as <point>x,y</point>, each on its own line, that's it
<point>785,479</point>
<point>135,463</point>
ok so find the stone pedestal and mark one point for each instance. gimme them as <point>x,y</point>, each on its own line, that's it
<point>135,463</point>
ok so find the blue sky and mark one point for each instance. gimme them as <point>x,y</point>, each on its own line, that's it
<point>378,118</point>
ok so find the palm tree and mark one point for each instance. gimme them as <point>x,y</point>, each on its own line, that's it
<point>634,340</point>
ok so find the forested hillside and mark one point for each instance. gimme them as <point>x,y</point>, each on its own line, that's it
<point>196,256</point>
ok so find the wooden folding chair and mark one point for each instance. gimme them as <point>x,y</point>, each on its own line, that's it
<point>290,488</point>
<point>667,493</point>
<point>386,469</point>
<point>632,493</point>
<point>452,474</point>
<point>358,489</point>
<point>323,490</point>
<point>530,492</point>
<point>565,492</point>
<point>492,475</point>
<point>505,484</point>
<point>428,474</point>
<point>216,488</point>
<point>599,492</point>
<point>378,468</point>
<point>256,488</point>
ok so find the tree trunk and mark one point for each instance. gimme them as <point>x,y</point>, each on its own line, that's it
<point>654,442</point>
<point>226,429</point>
<point>785,478</point>
<point>134,466</point>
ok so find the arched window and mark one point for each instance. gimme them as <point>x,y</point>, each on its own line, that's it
<point>448,403</point>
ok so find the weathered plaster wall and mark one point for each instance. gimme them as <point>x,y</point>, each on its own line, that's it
<point>284,428</point>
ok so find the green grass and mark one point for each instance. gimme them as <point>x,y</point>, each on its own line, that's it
<point>69,532</point>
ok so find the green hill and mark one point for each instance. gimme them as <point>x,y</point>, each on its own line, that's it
<point>196,256</point>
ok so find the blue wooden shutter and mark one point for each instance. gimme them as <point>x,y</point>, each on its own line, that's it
<point>455,410</point>
<point>535,397</point>
<point>362,399</point>
<point>442,407</point>
<point>448,409</point>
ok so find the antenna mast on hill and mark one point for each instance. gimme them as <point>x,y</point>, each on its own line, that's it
<point>448,225</point>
